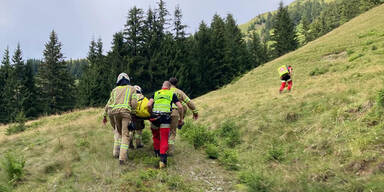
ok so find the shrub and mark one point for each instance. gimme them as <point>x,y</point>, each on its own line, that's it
<point>275,153</point>
<point>354,57</point>
<point>318,71</point>
<point>146,136</point>
<point>19,126</point>
<point>255,181</point>
<point>230,132</point>
<point>229,158</point>
<point>212,151</point>
<point>380,98</point>
<point>14,167</point>
<point>197,135</point>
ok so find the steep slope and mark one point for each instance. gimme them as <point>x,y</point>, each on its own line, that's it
<point>328,133</point>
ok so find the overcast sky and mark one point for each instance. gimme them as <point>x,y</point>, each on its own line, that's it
<point>76,22</point>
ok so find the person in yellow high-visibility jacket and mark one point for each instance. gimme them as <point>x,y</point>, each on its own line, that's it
<point>285,73</point>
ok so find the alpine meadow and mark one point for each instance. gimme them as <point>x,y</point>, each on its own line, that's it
<point>326,134</point>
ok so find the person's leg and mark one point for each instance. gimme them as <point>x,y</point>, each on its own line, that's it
<point>283,83</point>
<point>165,128</point>
<point>289,85</point>
<point>126,137</point>
<point>174,123</point>
<point>156,139</point>
<point>139,132</point>
<point>117,136</point>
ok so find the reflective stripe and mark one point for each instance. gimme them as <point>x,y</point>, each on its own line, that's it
<point>124,146</point>
<point>163,101</point>
<point>165,125</point>
<point>195,111</point>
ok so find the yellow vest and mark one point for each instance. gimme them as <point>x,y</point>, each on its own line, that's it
<point>283,70</point>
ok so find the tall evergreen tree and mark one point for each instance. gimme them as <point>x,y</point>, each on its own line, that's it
<point>55,83</point>
<point>7,99</point>
<point>284,35</point>
<point>257,50</point>
<point>19,88</point>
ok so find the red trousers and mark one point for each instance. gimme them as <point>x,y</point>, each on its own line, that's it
<point>160,139</point>
<point>283,83</point>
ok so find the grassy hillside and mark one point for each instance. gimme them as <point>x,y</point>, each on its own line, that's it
<point>244,27</point>
<point>326,135</point>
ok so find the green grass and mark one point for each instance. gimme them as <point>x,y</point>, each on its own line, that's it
<point>326,135</point>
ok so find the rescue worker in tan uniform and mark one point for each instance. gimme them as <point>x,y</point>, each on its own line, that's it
<point>138,123</point>
<point>187,103</point>
<point>120,106</point>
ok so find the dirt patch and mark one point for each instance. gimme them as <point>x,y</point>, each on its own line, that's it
<point>360,167</point>
<point>336,56</point>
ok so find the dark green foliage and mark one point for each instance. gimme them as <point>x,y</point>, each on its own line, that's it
<point>212,151</point>
<point>380,98</point>
<point>230,159</point>
<point>54,81</point>
<point>13,165</point>
<point>284,34</point>
<point>229,132</point>
<point>275,152</point>
<point>19,126</point>
<point>198,135</point>
<point>318,71</point>
<point>255,181</point>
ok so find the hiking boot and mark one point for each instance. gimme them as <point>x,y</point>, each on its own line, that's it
<point>131,146</point>
<point>162,165</point>
<point>140,146</point>
<point>116,156</point>
<point>121,162</point>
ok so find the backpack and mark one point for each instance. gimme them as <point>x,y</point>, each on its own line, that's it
<point>142,108</point>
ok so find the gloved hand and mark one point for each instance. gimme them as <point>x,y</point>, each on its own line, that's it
<point>105,120</point>
<point>195,116</point>
<point>180,125</point>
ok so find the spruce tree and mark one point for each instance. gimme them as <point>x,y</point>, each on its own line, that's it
<point>7,99</point>
<point>284,35</point>
<point>55,83</point>
<point>19,74</point>
<point>257,50</point>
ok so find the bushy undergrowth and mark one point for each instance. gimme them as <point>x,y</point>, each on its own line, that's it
<point>230,159</point>
<point>198,135</point>
<point>19,126</point>
<point>145,180</point>
<point>229,132</point>
<point>13,165</point>
<point>146,137</point>
<point>318,71</point>
<point>212,151</point>
<point>255,181</point>
<point>380,98</point>
<point>218,143</point>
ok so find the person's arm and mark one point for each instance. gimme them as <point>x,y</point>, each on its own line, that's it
<point>176,101</point>
<point>181,112</point>
<point>190,105</point>
<point>150,104</point>
<point>110,100</point>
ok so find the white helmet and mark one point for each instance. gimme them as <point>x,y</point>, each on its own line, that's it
<point>138,88</point>
<point>120,77</point>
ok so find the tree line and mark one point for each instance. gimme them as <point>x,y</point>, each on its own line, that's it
<point>152,47</point>
<point>311,19</point>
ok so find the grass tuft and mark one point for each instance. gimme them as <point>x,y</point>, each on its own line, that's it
<point>13,165</point>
